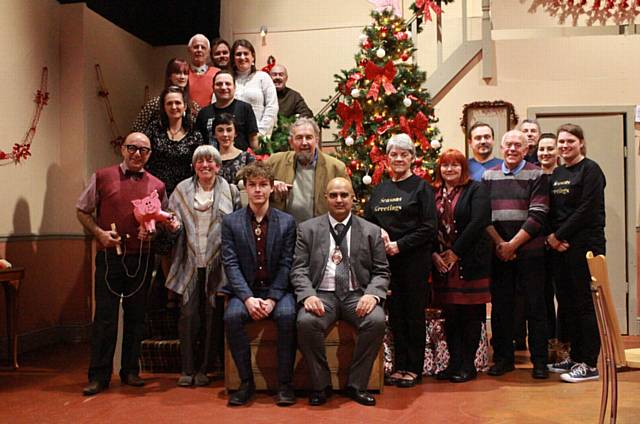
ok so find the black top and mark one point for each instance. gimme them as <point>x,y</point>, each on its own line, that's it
<point>472,215</point>
<point>170,160</point>
<point>577,205</point>
<point>406,210</point>
<point>246,123</point>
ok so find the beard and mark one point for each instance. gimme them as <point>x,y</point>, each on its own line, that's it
<point>305,157</point>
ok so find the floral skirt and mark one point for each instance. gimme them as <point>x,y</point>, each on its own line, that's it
<point>436,352</point>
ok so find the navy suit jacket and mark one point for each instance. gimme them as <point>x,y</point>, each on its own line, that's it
<point>239,253</point>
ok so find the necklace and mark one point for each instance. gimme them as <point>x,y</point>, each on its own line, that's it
<point>174,134</point>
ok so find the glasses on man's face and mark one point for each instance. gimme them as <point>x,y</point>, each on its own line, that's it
<point>335,195</point>
<point>132,148</point>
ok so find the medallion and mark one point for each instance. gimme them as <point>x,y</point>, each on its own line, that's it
<point>336,256</point>
<point>258,231</point>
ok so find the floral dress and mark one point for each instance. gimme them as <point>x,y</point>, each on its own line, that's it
<point>230,167</point>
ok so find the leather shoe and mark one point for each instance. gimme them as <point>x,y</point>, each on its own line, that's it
<point>132,380</point>
<point>94,387</point>
<point>243,395</point>
<point>361,396</point>
<point>319,397</point>
<point>286,396</point>
<point>408,382</point>
<point>201,380</point>
<point>462,376</point>
<point>500,368</point>
<point>444,374</point>
<point>540,371</point>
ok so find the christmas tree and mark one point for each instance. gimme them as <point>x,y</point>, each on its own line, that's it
<point>382,96</point>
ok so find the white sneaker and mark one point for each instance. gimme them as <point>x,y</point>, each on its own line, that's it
<point>561,367</point>
<point>579,373</point>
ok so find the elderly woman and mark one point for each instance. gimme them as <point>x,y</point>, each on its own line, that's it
<point>221,54</point>
<point>254,87</point>
<point>176,73</point>
<point>405,209</point>
<point>461,261</point>
<point>199,203</point>
<point>233,159</point>
<point>577,226</point>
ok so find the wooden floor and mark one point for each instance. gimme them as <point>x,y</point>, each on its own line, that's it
<point>47,389</point>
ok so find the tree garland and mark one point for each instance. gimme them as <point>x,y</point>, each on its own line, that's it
<point>21,151</point>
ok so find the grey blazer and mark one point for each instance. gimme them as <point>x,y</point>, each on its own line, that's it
<point>367,257</point>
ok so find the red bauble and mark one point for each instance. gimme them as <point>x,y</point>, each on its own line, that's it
<point>364,62</point>
<point>353,164</point>
<point>404,57</point>
<point>378,118</point>
<point>367,44</point>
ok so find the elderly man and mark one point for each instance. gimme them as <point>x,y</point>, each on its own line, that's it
<point>519,195</point>
<point>257,250</point>
<point>302,174</point>
<point>480,139</point>
<point>246,126</point>
<point>109,193</point>
<point>340,271</point>
<point>531,130</point>
<point>290,102</point>
<point>200,74</point>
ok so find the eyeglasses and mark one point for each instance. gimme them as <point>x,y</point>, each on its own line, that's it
<point>132,148</point>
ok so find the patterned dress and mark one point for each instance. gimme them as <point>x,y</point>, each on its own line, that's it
<point>230,167</point>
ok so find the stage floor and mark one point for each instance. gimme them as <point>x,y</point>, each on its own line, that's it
<point>47,389</point>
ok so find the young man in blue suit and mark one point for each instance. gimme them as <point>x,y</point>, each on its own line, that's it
<point>257,251</point>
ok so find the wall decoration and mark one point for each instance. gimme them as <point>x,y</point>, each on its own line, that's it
<point>21,151</point>
<point>117,139</point>
<point>500,115</point>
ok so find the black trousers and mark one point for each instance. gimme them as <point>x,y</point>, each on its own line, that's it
<point>463,327</point>
<point>195,329</point>
<point>527,273</point>
<point>105,321</point>
<point>407,321</point>
<point>573,282</point>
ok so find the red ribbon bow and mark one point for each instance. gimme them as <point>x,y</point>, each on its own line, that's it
<point>257,156</point>
<point>271,62</point>
<point>415,128</point>
<point>350,115</point>
<point>380,75</point>
<point>424,5</point>
<point>381,162</point>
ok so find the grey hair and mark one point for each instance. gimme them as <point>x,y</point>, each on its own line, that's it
<point>514,133</point>
<point>401,141</point>
<point>206,40</point>
<point>529,121</point>
<point>206,151</point>
<point>305,121</point>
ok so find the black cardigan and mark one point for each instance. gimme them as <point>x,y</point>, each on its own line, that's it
<point>473,246</point>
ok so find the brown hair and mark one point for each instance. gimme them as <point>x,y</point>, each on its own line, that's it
<point>451,156</point>
<point>575,130</point>
<point>247,45</point>
<point>257,169</point>
<point>215,45</point>
<point>479,124</point>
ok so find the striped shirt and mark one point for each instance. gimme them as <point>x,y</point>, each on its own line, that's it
<point>519,200</point>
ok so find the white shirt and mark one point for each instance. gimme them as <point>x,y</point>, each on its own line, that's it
<point>328,282</point>
<point>258,90</point>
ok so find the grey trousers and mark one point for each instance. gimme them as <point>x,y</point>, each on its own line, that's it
<point>311,334</point>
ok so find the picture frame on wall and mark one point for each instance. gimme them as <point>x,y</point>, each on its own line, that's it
<point>499,114</point>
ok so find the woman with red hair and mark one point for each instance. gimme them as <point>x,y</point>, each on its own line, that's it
<point>461,261</point>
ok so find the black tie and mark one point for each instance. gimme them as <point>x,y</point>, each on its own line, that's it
<point>342,269</point>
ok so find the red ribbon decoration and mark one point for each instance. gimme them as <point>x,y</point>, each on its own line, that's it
<point>415,128</point>
<point>353,78</point>
<point>350,115</point>
<point>385,127</point>
<point>424,5</point>
<point>271,62</point>
<point>378,76</point>
<point>257,156</point>
<point>381,162</point>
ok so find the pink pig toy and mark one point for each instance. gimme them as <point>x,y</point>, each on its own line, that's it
<point>148,210</point>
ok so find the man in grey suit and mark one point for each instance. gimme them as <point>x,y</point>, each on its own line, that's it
<point>340,271</point>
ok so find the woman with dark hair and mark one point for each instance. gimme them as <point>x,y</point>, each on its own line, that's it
<point>254,87</point>
<point>462,261</point>
<point>233,159</point>
<point>577,225</point>
<point>221,54</point>
<point>176,73</point>
<point>404,207</point>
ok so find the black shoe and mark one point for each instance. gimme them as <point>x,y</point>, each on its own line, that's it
<point>540,371</point>
<point>408,382</point>
<point>286,395</point>
<point>132,380</point>
<point>319,397</point>
<point>500,368</point>
<point>243,395</point>
<point>361,396</point>
<point>445,374</point>
<point>390,381</point>
<point>94,387</point>
<point>463,376</point>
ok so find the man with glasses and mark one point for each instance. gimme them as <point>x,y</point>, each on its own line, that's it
<point>340,271</point>
<point>123,260</point>
<point>302,174</point>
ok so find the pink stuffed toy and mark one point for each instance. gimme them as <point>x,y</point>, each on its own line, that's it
<point>148,210</point>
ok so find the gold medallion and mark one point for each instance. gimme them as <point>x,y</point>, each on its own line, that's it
<point>258,231</point>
